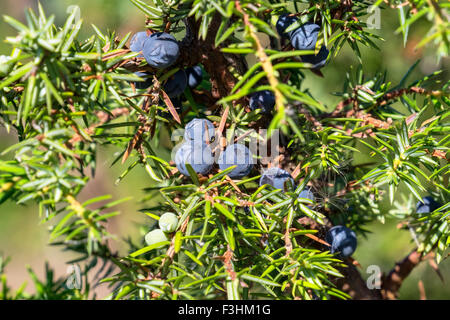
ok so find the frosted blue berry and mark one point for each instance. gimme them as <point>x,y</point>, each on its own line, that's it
<point>161,50</point>
<point>428,205</point>
<point>264,100</point>
<point>342,240</point>
<point>277,178</point>
<point>284,21</point>
<point>137,42</point>
<point>239,155</point>
<point>319,60</point>
<point>194,76</point>
<point>199,130</point>
<point>197,154</point>
<point>305,37</point>
<point>307,194</point>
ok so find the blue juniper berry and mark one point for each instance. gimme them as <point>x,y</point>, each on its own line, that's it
<point>277,178</point>
<point>198,155</point>
<point>239,155</point>
<point>428,205</point>
<point>264,100</point>
<point>307,194</point>
<point>137,42</point>
<point>194,76</point>
<point>342,240</point>
<point>284,21</point>
<point>305,37</point>
<point>319,60</point>
<point>199,130</point>
<point>161,50</point>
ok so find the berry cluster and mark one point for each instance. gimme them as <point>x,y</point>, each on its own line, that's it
<point>197,152</point>
<point>167,224</point>
<point>342,239</point>
<point>161,50</point>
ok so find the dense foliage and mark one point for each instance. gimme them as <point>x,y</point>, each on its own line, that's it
<point>64,97</point>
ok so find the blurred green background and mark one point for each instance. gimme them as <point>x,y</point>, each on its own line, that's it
<point>26,241</point>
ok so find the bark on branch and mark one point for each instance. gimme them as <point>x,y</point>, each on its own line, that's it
<point>194,50</point>
<point>354,285</point>
<point>392,282</point>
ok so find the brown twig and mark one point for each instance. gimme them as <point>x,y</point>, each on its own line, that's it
<point>423,295</point>
<point>392,282</point>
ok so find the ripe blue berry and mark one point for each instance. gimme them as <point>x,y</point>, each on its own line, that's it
<point>198,155</point>
<point>176,84</point>
<point>239,155</point>
<point>342,240</point>
<point>277,178</point>
<point>264,100</point>
<point>199,130</point>
<point>161,50</point>
<point>308,194</point>
<point>194,75</point>
<point>137,42</point>
<point>284,21</point>
<point>143,84</point>
<point>428,205</point>
<point>319,60</point>
<point>305,37</point>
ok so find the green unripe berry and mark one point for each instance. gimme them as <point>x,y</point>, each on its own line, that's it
<point>168,222</point>
<point>155,236</point>
<point>5,66</point>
